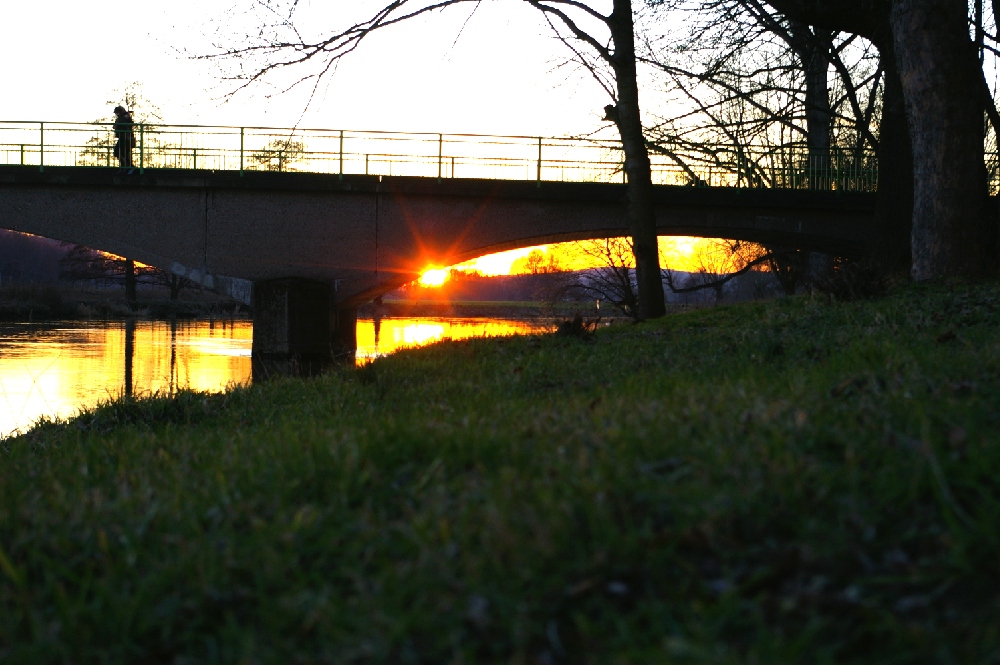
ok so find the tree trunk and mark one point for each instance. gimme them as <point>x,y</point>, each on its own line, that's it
<point>812,46</point>
<point>814,53</point>
<point>786,264</point>
<point>940,77</point>
<point>894,196</point>
<point>641,214</point>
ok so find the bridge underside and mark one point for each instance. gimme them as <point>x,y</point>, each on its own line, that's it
<point>366,235</point>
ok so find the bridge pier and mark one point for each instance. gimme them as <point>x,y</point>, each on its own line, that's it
<point>344,331</point>
<point>297,329</point>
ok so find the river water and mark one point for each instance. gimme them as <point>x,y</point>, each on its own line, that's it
<point>55,369</point>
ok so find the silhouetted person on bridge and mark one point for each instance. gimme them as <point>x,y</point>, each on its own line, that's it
<point>126,137</point>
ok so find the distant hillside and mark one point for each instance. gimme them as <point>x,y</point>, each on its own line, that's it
<point>28,259</point>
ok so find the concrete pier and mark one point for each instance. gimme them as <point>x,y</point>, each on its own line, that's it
<point>344,334</point>
<point>297,329</point>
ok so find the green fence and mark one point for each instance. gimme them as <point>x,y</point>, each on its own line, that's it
<point>41,144</point>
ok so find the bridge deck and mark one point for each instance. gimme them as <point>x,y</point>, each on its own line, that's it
<point>439,155</point>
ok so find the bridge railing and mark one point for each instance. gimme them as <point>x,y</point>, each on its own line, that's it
<point>161,146</point>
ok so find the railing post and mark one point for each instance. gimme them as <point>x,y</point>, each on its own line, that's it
<point>342,154</point>
<point>41,146</point>
<point>194,158</point>
<point>538,167</point>
<point>241,150</point>
<point>142,147</point>
<point>440,154</point>
<point>453,166</point>
<point>22,154</point>
<point>840,169</point>
<point>366,163</point>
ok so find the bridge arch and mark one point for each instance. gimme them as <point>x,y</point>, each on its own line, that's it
<point>367,234</point>
<point>359,236</point>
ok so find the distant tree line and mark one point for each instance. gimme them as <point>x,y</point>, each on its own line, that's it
<point>539,286</point>
<point>100,269</point>
<point>29,259</point>
<point>722,271</point>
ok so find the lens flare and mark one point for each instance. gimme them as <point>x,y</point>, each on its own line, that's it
<point>434,277</point>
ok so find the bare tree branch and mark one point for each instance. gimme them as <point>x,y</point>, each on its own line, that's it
<point>668,276</point>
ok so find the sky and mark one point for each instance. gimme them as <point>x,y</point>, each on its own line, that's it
<point>496,71</point>
<point>503,73</point>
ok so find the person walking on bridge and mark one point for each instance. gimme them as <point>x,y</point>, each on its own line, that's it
<point>126,137</point>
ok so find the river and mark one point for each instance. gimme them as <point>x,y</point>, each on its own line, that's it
<point>54,370</point>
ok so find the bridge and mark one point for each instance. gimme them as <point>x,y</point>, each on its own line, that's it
<point>322,221</point>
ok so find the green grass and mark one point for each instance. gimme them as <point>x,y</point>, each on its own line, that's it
<point>784,482</point>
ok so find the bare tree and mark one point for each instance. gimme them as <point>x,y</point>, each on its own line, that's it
<point>536,263</point>
<point>611,60</point>
<point>97,151</point>
<point>278,155</point>
<point>754,79</point>
<point>168,280</point>
<point>89,265</point>
<point>758,93</point>
<point>718,262</point>
<point>613,279</point>
<point>944,93</point>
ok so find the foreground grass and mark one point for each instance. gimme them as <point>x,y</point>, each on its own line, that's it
<point>791,481</point>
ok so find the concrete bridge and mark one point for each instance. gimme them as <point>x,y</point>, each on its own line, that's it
<point>313,243</point>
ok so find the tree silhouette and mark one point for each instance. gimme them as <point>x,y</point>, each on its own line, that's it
<point>97,151</point>
<point>613,279</point>
<point>537,263</point>
<point>945,96</point>
<point>611,60</point>
<point>83,264</point>
<point>278,155</point>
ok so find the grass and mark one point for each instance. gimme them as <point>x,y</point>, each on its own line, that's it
<point>791,481</point>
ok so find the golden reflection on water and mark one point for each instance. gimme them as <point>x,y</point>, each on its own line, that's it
<point>378,337</point>
<point>54,370</point>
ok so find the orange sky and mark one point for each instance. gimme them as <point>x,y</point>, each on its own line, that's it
<point>677,252</point>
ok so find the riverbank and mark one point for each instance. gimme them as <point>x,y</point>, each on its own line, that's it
<point>786,481</point>
<point>64,302</point>
<point>499,309</point>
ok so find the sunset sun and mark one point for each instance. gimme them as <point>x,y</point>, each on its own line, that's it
<point>678,253</point>
<point>434,277</point>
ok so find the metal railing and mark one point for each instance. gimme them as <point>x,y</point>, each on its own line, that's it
<point>345,152</point>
